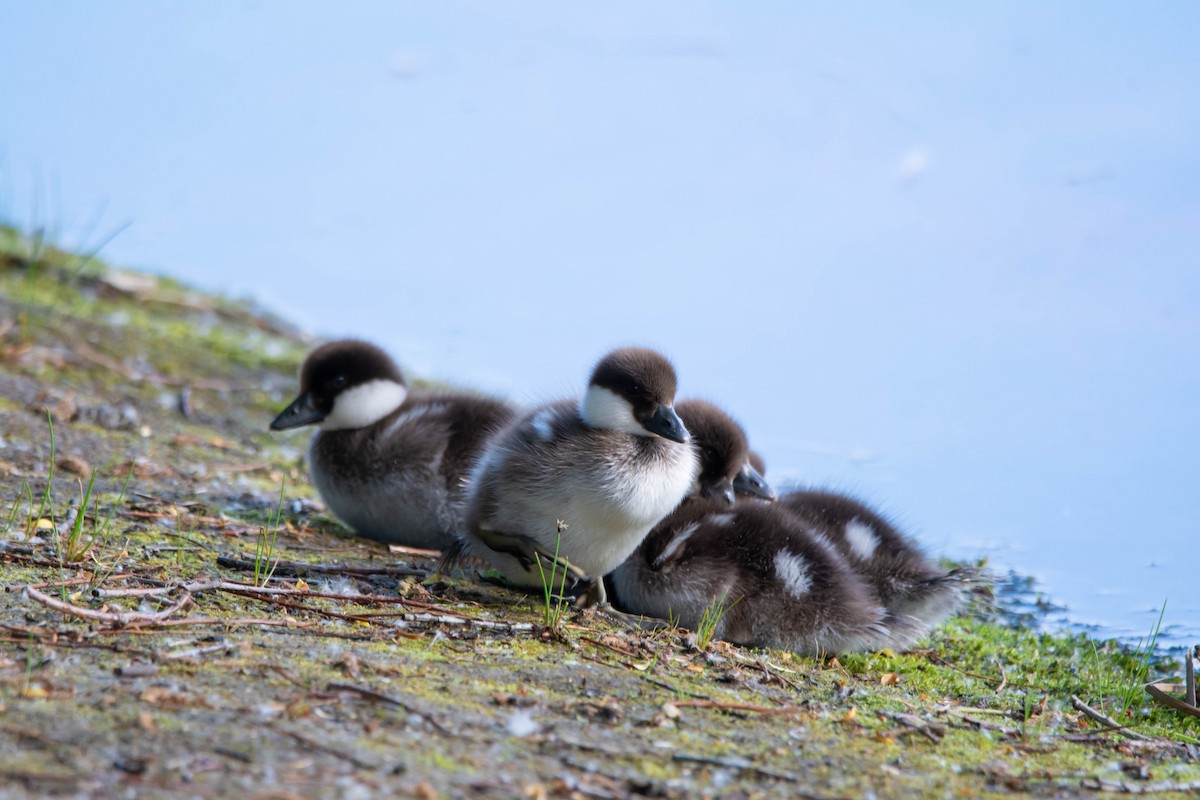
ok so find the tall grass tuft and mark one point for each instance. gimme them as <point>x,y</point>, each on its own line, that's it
<point>1133,691</point>
<point>553,605</point>
<point>714,612</point>
<point>265,559</point>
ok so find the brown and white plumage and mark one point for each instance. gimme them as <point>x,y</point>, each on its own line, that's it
<point>901,575</point>
<point>777,583</point>
<point>585,479</point>
<point>388,462</point>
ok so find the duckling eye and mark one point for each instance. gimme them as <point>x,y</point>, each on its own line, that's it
<point>710,454</point>
<point>339,381</point>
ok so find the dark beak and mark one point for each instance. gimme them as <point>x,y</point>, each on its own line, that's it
<point>722,489</point>
<point>300,412</point>
<point>748,481</point>
<point>667,424</point>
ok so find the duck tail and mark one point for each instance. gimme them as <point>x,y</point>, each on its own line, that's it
<point>936,599</point>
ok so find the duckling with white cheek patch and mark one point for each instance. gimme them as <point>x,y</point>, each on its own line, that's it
<point>777,583</point>
<point>389,463</point>
<point>586,480</point>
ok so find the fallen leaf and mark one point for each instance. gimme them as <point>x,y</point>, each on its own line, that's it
<point>850,716</point>
<point>301,585</point>
<point>889,679</point>
<point>146,722</point>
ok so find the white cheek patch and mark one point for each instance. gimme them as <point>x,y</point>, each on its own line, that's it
<point>602,408</point>
<point>861,538</point>
<point>364,405</point>
<point>792,569</point>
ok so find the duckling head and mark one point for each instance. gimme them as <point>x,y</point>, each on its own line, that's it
<point>344,384</point>
<point>721,444</point>
<point>632,389</point>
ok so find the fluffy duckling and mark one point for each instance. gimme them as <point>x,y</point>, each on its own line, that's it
<point>749,481</point>
<point>900,574</point>
<point>585,480</point>
<point>388,462</point>
<point>779,584</point>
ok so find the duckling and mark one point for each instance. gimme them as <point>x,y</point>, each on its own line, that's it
<point>776,582</point>
<point>582,482</point>
<point>388,462</point>
<point>750,482</point>
<point>900,574</point>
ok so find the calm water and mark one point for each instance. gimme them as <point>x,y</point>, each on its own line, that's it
<point>943,258</point>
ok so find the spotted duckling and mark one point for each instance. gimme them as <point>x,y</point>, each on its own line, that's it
<point>776,582</point>
<point>905,580</point>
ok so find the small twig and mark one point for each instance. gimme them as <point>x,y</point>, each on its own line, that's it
<point>1123,787</point>
<point>934,732</point>
<point>203,621</point>
<point>379,697</point>
<point>1108,721</point>
<point>299,569</point>
<point>20,587</point>
<point>991,726</point>
<point>323,748</point>
<point>733,706</point>
<point>193,652</point>
<point>670,688</point>
<point>746,765</point>
<point>935,658</point>
<point>510,627</point>
<point>621,650</point>
<point>153,591</point>
<point>1003,677</point>
<point>123,618</point>
<point>1159,692</point>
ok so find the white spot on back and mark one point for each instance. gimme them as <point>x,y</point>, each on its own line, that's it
<point>792,569</point>
<point>721,520</point>
<point>677,541</point>
<point>602,408</point>
<point>364,405</point>
<point>543,423</point>
<point>412,415</point>
<point>862,539</point>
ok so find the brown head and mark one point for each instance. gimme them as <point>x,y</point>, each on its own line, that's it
<point>344,384</point>
<point>632,389</point>
<point>721,444</point>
